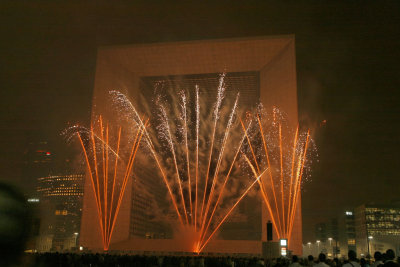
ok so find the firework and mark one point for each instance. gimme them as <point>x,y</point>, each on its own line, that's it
<point>271,145</point>
<point>189,145</point>
<point>109,164</point>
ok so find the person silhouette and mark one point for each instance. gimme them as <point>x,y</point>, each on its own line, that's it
<point>352,259</point>
<point>390,256</point>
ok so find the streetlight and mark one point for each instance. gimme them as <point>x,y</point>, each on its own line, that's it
<point>318,246</point>
<point>330,244</point>
<point>369,240</point>
<point>309,247</point>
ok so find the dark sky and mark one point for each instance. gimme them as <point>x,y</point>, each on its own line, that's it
<point>348,65</point>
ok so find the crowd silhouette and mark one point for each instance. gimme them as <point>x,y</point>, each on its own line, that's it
<point>386,259</point>
<point>16,218</point>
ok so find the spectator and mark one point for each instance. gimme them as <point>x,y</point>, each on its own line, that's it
<point>321,261</point>
<point>364,262</point>
<point>390,259</point>
<point>378,259</point>
<point>295,262</point>
<point>310,260</point>
<point>352,259</point>
<point>337,262</point>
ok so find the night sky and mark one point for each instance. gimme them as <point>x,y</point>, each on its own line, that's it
<point>348,67</point>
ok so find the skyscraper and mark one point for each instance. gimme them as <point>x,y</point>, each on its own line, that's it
<point>61,204</point>
<point>38,160</point>
<point>377,228</point>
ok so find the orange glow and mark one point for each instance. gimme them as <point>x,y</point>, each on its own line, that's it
<point>231,209</point>
<point>204,231</point>
<point>260,181</point>
<point>281,161</point>
<point>197,221</point>
<point>100,158</point>
<point>115,175</point>
<point>270,174</point>
<point>197,154</point>
<point>208,170</point>
<point>291,175</point>
<point>93,184</point>
<point>296,197</point>
<point>226,134</point>
<point>277,155</point>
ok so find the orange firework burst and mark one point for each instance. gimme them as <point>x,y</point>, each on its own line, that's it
<point>199,191</point>
<point>109,170</point>
<point>272,148</point>
<point>197,152</point>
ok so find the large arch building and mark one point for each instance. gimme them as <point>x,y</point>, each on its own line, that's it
<point>268,64</point>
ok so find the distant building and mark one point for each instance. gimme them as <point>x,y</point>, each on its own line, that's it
<point>321,231</point>
<point>347,232</point>
<point>38,159</point>
<point>377,228</point>
<point>61,204</point>
<point>327,239</point>
<point>34,205</point>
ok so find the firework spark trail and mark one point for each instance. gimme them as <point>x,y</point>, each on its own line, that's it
<point>299,182</point>
<point>264,193</point>
<point>106,184</point>
<point>97,182</point>
<point>224,184</point>
<point>203,218</point>
<point>291,175</point>
<point>269,168</point>
<point>197,152</point>
<point>115,175</point>
<point>100,179</point>
<point>185,129</point>
<point>92,181</point>
<point>281,163</point>
<point>104,176</point>
<point>292,211</point>
<point>233,207</point>
<point>220,96</point>
<point>282,155</point>
<point>135,147</point>
<point>123,99</point>
<point>226,135</point>
<point>77,128</point>
<point>172,147</point>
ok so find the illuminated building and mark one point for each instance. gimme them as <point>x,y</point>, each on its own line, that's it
<point>347,233</point>
<point>262,68</point>
<point>34,205</point>
<point>377,228</point>
<point>61,204</point>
